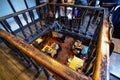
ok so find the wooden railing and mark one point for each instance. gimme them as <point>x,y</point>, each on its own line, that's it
<point>30,20</point>
<point>101,67</point>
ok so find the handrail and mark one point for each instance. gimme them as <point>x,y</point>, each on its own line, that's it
<point>81,6</point>
<point>51,64</point>
<point>23,11</point>
<point>108,4</point>
<point>101,67</point>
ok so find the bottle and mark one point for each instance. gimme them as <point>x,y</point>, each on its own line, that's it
<point>75,12</point>
<point>72,2</point>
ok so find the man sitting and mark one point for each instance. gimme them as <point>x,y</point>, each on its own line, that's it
<point>56,47</point>
<point>77,48</point>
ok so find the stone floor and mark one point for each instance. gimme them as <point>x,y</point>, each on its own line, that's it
<point>115,60</point>
<point>117,45</point>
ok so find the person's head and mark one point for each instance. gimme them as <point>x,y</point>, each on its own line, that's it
<point>79,42</point>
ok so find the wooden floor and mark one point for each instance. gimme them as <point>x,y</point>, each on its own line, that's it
<point>117,45</point>
<point>66,51</point>
<point>14,68</point>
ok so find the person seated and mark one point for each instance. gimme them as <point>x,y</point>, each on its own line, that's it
<point>54,46</point>
<point>50,51</point>
<point>77,48</point>
<point>77,45</point>
<point>57,47</point>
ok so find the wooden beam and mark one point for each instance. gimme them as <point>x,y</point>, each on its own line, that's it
<point>41,58</point>
<point>101,68</point>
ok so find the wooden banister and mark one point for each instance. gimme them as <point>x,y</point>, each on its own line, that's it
<point>101,67</point>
